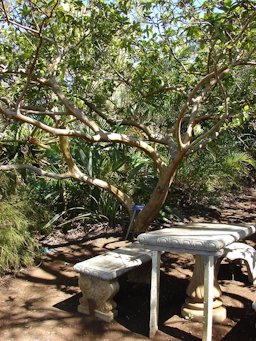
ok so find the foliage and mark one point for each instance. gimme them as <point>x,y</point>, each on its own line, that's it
<point>216,173</point>
<point>17,245</point>
<point>120,94</point>
<point>22,219</point>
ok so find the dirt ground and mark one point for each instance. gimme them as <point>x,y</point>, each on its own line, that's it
<point>40,303</point>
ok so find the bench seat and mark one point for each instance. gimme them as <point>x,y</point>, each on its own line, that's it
<point>99,275</point>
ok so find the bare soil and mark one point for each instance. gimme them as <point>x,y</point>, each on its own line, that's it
<point>40,303</point>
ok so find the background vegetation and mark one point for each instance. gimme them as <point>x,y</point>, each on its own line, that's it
<point>116,103</point>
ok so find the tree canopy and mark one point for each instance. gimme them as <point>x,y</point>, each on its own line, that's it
<point>159,79</point>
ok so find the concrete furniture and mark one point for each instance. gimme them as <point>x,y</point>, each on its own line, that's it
<point>207,242</point>
<point>245,253</point>
<point>98,279</point>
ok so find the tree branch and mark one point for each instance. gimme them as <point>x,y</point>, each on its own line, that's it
<point>101,137</point>
<point>123,198</point>
<point>34,61</point>
<point>47,113</point>
<point>70,107</point>
<point>32,67</point>
<point>36,170</point>
<point>205,138</point>
<point>79,175</point>
<point>162,90</point>
<point>119,122</point>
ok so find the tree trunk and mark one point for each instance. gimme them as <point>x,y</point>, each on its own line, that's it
<point>158,197</point>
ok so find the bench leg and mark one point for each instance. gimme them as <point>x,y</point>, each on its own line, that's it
<point>97,299</point>
<point>154,293</point>
<point>208,297</point>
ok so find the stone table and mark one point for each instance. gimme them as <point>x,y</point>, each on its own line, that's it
<point>207,242</point>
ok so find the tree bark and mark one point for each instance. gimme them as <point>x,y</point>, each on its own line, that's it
<point>158,197</point>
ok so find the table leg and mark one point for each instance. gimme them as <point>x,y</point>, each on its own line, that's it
<point>208,297</point>
<point>193,308</point>
<point>154,293</point>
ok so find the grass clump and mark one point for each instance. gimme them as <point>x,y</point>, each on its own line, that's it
<point>18,246</point>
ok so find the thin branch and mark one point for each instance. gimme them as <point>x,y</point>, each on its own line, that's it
<point>125,122</point>
<point>121,77</point>
<point>37,170</point>
<point>211,77</point>
<point>54,65</point>
<point>162,90</point>
<point>32,67</point>
<point>48,113</point>
<point>40,9</point>
<point>15,23</point>
<point>247,22</point>
<point>205,138</point>
<point>100,137</point>
<point>4,10</point>
<point>195,109</point>
<point>78,174</point>
<point>70,107</point>
<point>76,45</point>
<point>34,61</point>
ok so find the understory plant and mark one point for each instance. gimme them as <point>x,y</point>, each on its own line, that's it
<point>18,247</point>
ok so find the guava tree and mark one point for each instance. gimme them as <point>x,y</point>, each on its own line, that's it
<point>162,77</point>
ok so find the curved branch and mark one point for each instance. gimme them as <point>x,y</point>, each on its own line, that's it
<point>125,122</point>
<point>32,66</point>
<point>44,113</point>
<point>18,116</point>
<point>101,137</point>
<point>76,173</point>
<point>70,107</point>
<point>122,197</point>
<point>164,89</point>
<point>199,85</point>
<point>125,200</point>
<point>36,170</point>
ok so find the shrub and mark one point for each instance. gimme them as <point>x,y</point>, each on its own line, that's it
<point>18,246</point>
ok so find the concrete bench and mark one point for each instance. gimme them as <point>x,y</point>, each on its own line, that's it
<point>244,252</point>
<point>99,275</point>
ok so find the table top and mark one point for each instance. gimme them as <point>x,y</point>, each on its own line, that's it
<point>196,238</point>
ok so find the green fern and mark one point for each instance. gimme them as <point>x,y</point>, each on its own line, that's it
<point>238,162</point>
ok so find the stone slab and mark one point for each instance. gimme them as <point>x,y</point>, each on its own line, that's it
<point>113,264</point>
<point>196,238</point>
